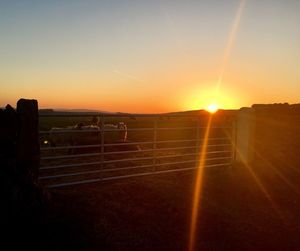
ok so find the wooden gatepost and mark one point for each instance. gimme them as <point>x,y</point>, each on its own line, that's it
<point>28,147</point>
<point>21,196</point>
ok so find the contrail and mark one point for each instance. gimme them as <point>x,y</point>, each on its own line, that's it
<point>230,42</point>
<point>126,75</point>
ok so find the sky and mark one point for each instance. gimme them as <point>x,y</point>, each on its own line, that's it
<point>149,56</point>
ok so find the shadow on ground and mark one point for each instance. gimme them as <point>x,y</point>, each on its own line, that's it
<point>237,212</point>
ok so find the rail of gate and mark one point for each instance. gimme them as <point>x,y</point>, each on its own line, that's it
<point>173,144</point>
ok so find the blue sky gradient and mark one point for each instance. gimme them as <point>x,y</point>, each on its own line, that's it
<point>121,55</point>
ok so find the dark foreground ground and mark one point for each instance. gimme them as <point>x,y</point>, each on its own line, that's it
<point>153,213</point>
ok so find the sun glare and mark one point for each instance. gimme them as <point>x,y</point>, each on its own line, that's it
<point>212,108</point>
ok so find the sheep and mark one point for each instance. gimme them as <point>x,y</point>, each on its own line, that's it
<point>120,135</point>
<point>110,136</point>
<point>91,135</point>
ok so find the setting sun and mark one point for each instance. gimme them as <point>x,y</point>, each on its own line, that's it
<point>212,108</point>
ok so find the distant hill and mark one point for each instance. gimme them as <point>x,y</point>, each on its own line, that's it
<point>79,110</point>
<point>203,112</point>
<point>182,113</point>
<point>62,110</point>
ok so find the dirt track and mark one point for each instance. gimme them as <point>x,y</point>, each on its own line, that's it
<point>153,213</point>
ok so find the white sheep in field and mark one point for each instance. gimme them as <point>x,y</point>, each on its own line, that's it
<point>90,135</point>
<point>115,133</point>
<point>72,135</point>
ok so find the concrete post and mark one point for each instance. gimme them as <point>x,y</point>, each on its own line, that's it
<point>246,120</point>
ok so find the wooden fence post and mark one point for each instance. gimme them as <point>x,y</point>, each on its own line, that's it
<point>28,147</point>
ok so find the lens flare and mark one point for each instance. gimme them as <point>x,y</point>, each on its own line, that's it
<point>199,177</point>
<point>257,180</point>
<point>230,43</point>
<point>197,188</point>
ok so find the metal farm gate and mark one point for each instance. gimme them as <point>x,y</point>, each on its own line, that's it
<point>154,144</point>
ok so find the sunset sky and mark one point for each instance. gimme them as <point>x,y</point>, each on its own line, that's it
<point>149,56</point>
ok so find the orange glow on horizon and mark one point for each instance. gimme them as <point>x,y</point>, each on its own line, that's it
<point>205,97</point>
